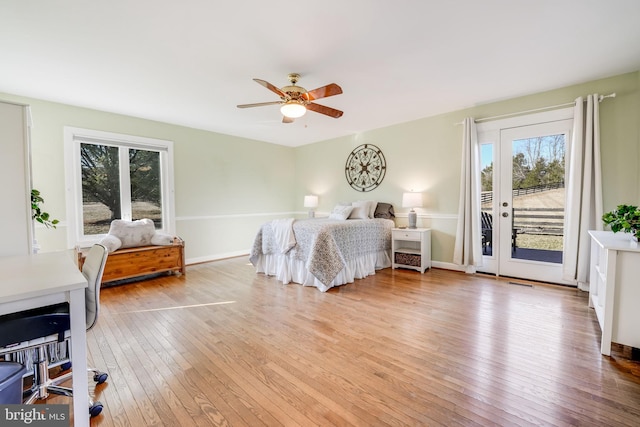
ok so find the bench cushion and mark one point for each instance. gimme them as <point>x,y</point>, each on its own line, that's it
<point>133,233</point>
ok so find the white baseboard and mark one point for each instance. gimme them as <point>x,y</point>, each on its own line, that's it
<point>447,266</point>
<point>215,257</point>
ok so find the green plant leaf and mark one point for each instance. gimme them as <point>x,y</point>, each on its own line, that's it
<point>625,218</point>
<point>37,213</point>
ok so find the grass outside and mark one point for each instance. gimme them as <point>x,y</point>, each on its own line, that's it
<point>97,217</point>
<point>545,199</point>
<point>539,241</point>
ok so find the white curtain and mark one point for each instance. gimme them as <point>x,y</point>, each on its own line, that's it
<point>468,247</point>
<point>583,209</point>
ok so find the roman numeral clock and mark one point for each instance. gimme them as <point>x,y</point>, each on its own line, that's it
<point>365,167</point>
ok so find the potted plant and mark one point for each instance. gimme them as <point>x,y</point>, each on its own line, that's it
<point>625,218</point>
<point>38,214</point>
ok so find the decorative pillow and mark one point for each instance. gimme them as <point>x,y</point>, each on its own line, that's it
<point>162,239</point>
<point>372,209</point>
<point>370,206</point>
<point>340,212</point>
<point>384,210</point>
<point>360,210</point>
<point>133,233</point>
<point>112,243</point>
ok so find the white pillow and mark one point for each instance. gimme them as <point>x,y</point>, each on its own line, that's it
<point>370,206</point>
<point>162,239</point>
<point>133,233</point>
<point>112,243</point>
<point>340,212</point>
<point>360,210</point>
<point>372,209</point>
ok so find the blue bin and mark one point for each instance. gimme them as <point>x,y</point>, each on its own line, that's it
<point>11,382</point>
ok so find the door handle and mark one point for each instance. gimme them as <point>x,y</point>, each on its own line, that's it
<point>505,214</point>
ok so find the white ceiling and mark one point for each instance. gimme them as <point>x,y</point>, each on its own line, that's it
<point>190,62</point>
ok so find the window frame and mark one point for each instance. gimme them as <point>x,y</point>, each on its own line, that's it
<point>73,137</point>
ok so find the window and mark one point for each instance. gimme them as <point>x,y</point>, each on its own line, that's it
<point>111,176</point>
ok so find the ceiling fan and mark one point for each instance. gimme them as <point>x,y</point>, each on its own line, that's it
<point>296,100</point>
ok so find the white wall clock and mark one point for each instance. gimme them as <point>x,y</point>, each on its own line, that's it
<point>365,167</point>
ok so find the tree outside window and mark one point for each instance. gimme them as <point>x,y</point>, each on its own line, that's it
<point>119,182</point>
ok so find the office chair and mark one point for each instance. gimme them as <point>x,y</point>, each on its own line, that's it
<point>40,337</point>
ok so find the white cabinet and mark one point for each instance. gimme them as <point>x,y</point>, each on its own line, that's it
<point>411,248</point>
<point>15,178</point>
<point>614,288</point>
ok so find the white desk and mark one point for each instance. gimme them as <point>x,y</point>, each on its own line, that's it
<point>31,281</point>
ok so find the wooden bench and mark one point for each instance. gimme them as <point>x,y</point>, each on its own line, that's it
<point>140,261</point>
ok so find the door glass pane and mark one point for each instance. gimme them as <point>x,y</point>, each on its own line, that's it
<point>538,198</point>
<point>100,187</point>
<point>144,170</point>
<point>486,197</point>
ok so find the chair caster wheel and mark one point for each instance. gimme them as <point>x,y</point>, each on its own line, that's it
<point>95,409</point>
<point>100,377</point>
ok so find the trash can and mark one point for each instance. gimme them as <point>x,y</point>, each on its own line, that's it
<point>11,382</point>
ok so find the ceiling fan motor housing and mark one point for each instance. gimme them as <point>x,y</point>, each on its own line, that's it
<point>294,93</point>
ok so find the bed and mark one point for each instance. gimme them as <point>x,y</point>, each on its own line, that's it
<point>323,252</point>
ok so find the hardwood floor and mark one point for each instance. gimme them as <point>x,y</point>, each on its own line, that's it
<point>225,346</point>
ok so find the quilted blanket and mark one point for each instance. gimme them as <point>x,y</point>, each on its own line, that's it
<point>326,245</point>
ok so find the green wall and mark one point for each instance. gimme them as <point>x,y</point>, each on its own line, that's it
<point>227,186</point>
<point>424,155</point>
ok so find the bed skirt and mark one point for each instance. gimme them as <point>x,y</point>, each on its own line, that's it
<point>287,269</point>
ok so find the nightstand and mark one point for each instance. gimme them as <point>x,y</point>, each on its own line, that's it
<point>411,248</point>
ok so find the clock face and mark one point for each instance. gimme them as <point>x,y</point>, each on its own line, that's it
<point>365,168</point>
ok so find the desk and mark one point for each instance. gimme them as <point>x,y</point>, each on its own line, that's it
<point>31,281</point>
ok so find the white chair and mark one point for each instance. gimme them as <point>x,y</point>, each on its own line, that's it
<point>40,338</point>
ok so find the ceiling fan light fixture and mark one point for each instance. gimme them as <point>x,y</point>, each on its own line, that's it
<point>293,110</point>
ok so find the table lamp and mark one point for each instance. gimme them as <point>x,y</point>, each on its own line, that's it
<point>311,202</point>
<point>412,200</point>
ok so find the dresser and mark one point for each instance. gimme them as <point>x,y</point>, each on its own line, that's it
<point>411,248</point>
<point>614,288</point>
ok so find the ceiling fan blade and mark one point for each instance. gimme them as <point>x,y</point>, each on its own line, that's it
<point>324,91</point>
<point>271,87</point>
<point>286,119</point>
<point>327,111</point>
<point>259,104</point>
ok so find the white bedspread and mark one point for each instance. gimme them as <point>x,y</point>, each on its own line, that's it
<point>283,234</point>
<point>327,252</point>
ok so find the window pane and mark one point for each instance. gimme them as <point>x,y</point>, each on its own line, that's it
<point>100,187</point>
<point>538,197</point>
<point>486,197</point>
<point>146,191</point>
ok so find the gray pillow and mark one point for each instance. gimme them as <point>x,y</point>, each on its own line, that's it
<point>384,210</point>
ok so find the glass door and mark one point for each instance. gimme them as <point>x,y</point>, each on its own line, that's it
<point>530,205</point>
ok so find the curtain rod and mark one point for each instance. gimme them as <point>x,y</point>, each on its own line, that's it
<point>551,107</point>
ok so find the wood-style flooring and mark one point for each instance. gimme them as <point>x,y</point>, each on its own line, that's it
<point>224,346</point>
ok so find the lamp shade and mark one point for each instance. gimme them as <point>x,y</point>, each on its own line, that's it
<point>412,200</point>
<point>293,110</point>
<point>311,201</point>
